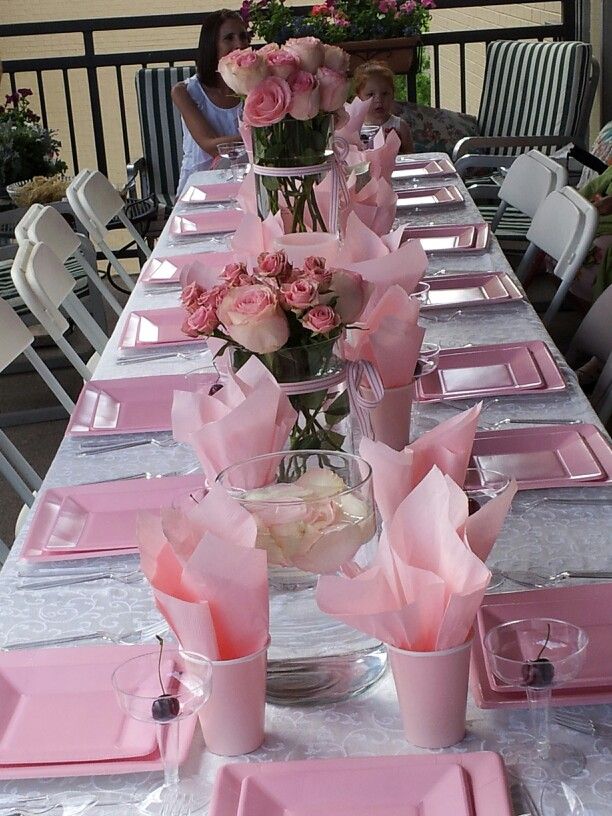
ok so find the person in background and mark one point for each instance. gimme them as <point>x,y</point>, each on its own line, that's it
<point>209,109</point>
<point>375,81</point>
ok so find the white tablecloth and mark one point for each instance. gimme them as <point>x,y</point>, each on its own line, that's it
<point>548,536</point>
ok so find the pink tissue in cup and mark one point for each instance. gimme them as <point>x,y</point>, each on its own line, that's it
<point>432,693</point>
<point>301,245</point>
<point>233,718</point>
<point>391,417</point>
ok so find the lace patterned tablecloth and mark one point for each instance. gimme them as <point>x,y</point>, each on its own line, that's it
<point>549,536</point>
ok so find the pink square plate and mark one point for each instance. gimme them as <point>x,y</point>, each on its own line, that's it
<point>134,405</point>
<point>469,783</point>
<point>546,456</point>
<point>210,193</point>
<point>206,222</point>
<point>472,289</point>
<point>429,196</point>
<point>200,267</point>
<point>409,167</point>
<point>451,237</point>
<point>587,606</point>
<point>99,519</point>
<point>475,371</point>
<point>156,327</point>
<point>64,719</point>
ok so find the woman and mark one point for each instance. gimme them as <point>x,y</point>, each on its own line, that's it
<point>209,109</point>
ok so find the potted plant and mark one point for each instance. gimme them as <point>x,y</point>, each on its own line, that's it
<point>27,149</point>
<point>386,30</point>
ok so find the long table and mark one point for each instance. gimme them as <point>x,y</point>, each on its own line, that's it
<point>553,537</point>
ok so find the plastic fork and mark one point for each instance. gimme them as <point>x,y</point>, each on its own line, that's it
<point>124,639</point>
<point>533,579</point>
<point>121,577</point>
<point>146,474</point>
<point>463,404</point>
<point>92,448</point>
<point>529,421</point>
<point>167,355</point>
<point>438,319</point>
<point>581,723</point>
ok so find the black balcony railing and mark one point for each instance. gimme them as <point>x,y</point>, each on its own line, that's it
<point>93,61</point>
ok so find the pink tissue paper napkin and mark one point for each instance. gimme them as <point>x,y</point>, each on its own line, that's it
<point>425,585</point>
<point>209,580</point>
<point>249,416</point>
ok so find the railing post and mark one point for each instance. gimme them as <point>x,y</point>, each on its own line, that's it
<point>94,98</point>
<point>570,19</point>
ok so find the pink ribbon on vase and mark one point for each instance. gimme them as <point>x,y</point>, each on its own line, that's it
<point>353,372</point>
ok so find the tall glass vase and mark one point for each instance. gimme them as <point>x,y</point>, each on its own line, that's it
<point>292,143</point>
<point>312,376</point>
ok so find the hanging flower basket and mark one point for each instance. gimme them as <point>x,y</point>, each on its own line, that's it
<point>397,52</point>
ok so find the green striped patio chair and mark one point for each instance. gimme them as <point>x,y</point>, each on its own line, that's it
<point>161,133</point>
<point>535,95</point>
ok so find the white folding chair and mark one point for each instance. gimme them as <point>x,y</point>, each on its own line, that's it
<point>564,227</point>
<point>49,227</point>
<point>594,339</point>
<point>16,339</point>
<point>52,321</point>
<point>23,225</point>
<point>530,179</point>
<point>99,202</point>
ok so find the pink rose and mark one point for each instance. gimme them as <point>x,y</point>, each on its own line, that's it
<point>253,318</point>
<point>268,103</point>
<point>268,48</point>
<point>233,273</point>
<point>314,267</point>
<point>334,89</point>
<point>350,290</point>
<point>305,96</point>
<point>273,264</point>
<point>300,295</point>
<point>213,297</point>
<point>203,321</point>
<point>243,70</point>
<point>282,63</point>
<point>190,295</point>
<point>320,320</point>
<point>336,58</point>
<point>309,51</point>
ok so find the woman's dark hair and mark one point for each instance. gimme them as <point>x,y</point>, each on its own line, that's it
<point>206,58</point>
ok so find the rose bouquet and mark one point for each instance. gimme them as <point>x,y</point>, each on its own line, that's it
<point>290,96</point>
<point>290,319</point>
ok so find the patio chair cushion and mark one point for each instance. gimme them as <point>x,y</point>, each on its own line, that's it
<point>436,129</point>
<point>533,89</point>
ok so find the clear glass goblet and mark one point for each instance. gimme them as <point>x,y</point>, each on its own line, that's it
<point>427,363</point>
<point>164,689</point>
<point>537,655</point>
<point>235,153</point>
<point>421,293</point>
<point>480,486</point>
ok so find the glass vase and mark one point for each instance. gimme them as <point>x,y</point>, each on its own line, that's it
<point>292,143</point>
<point>312,377</point>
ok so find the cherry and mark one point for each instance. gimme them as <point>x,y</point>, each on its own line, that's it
<point>539,672</point>
<point>165,708</point>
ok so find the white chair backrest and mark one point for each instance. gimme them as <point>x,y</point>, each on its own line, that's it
<point>28,295</point>
<point>99,199</point>
<point>531,178</point>
<point>51,228</point>
<point>16,337</point>
<point>75,202</point>
<point>594,335</point>
<point>22,226</point>
<point>564,227</point>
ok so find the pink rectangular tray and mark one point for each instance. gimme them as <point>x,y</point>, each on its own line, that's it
<point>201,267</point>
<point>210,193</point>
<point>156,327</point>
<point>97,520</point>
<point>451,237</point>
<point>587,606</point>
<point>358,785</point>
<point>546,456</point>
<point>478,371</point>
<point>206,222</point>
<point>429,196</point>
<point>134,405</point>
<point>471,289</point>
<point>409,167</point>
<point>63,718</point>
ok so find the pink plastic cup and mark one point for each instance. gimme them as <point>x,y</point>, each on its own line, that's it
<point>233,718</point>
<point>432,693</point>
<point>391,417</point>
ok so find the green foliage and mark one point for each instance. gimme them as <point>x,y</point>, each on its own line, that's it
<point>26,148</point>
<point>337,21</point>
